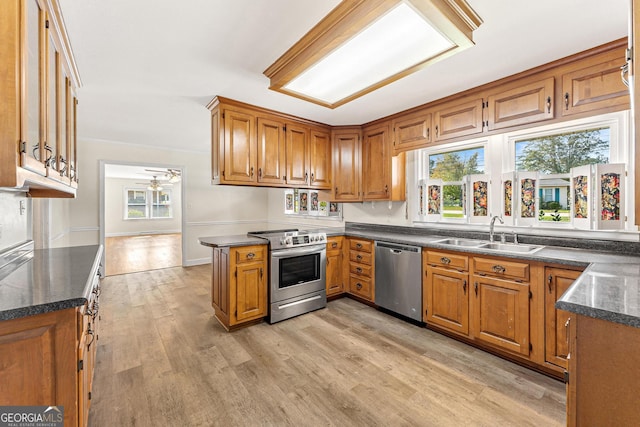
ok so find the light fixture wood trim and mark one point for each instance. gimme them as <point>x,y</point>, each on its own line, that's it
<point>454,18</point>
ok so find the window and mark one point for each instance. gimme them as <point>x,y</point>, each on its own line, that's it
<point>451,167</point>
<point>147,204</point>
<point>555,175</point>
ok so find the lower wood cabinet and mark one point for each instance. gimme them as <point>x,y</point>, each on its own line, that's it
<point>445,291</point>
<point>239,285</point>
<point>557,281</point>
<point>335,266</point>
<point>48,360</point>
<point>361,269</point>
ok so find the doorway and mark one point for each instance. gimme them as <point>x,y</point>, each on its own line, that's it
<point>141,216</point>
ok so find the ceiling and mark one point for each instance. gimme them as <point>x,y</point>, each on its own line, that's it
<point>139,172</point>
<point>150,67</point>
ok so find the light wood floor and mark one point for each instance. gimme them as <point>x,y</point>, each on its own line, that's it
<point>164,360</point>
<point>130,254</point>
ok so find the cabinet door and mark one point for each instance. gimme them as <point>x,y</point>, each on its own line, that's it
<point>596,87</point>
<point>320,161</point>
<point>239,147</point>
<point>271,151</point>
<point>297,138</point>
<point>501,314</point>
<point>219,283</point>
<point>530,103</point>
<point>52,134</point>
<point>446,300</point>
<point>34,105</point>
<point>376,163</point>
<point>458,120</point>
<point>251,291</point>
<point>556,339</point>
<point>411,132</point>
<point>346,167</point>
<point>335,283</point>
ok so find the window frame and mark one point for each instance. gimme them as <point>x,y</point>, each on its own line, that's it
<point>148,205</point>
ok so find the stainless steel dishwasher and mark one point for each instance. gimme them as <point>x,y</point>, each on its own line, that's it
<point>398,279</point>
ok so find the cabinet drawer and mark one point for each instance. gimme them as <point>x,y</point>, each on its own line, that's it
<point>334,243</point>
<point>250,253</point>
<point>501,268</point>
<point>361,245</point>
<point>444,259</point>
<point>360,286</point>
<point>360,269</point>
<point>360,257</point>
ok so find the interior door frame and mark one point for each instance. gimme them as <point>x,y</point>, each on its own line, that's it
<point>183,197</point>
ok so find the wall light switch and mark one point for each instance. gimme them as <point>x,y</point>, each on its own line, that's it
<point>0,231</point>
<point>23,206</point>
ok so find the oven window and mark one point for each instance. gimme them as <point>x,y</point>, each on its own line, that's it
<point>299,269</point>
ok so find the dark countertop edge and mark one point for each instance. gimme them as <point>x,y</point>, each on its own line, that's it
<point>599,313</point>
<point>239,240</point>
<point>33,310</point>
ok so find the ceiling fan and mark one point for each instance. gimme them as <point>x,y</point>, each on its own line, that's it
<point>172,175</point>
<point>154,184</point>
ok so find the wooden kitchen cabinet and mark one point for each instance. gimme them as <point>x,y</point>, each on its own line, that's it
<point>500,304</point>
<point>38,85</point>
<point>411,131</point>
<point>308,156</point>
<point>557,281</point>
<point>361,269</point>
<point>383,176</point>
<point>271,155</point>
<point>320,158</point>
<point>529,103</point>
<point>347,165</point>
<point>455,119</point>
<point>240,151</point>
<point>603,378</point>
<point>335,266</point>
<point>595,85</point>
<point>446,291</point>
<point>239,285</point>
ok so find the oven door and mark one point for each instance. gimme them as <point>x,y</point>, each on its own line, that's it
<point>297,271</point>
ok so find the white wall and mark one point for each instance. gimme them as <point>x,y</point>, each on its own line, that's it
<point>114,208</point>
<point>14,227</point>
<point>210,210</point>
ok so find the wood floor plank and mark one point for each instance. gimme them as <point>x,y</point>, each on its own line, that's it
<point>164,360</point>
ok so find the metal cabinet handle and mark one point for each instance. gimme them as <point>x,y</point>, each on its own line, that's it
<point>498,269</point>
<point>334,245</point>
<point>436,131</point>
<point>251,172</point>
<point>306,177</point>
<point>358,245</point>
<point>262,272</point>
<point>386,189</point>
<point>93,337</point>
<point>475,286</point>
<point>427,134</point>
<point>549,280</point>
<point>464,286</point>
<point>313,179</point>
<point>259,173</point>
<point>566,329</point>
<point>358,257</point>
<point>548,104</point>
<point>251,255</point>
<point>358,285</point>
<point>358,270</point>
<point>445,260</point>
<point>566,100</point>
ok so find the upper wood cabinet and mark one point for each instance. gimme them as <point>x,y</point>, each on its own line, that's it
<point>411,131</point>
<point>457,119</point>
<point>529,103</point>
<point>271,151</point>
<point>297,137</point>
<point>240,151</point>
<point>37,136</point>
<point>320,158</point>
<point>595,86</point>
<point>347,175</point>
<point>383,176</point>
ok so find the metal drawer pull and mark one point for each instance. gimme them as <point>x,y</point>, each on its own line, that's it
<point>358,286</point>
<point>464,286</point>
<point>358,257</point>
<point>498,269</point>
<point>251,255</point>
<point>358,245</point>
<point>358,270</point>
<point>445,260</point>
<point>334,245</point>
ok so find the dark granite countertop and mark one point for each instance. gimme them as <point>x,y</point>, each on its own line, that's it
<point>48,280</point>
<point>228,241</point>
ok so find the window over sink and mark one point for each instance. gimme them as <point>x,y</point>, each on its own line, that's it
<point>572,175</point>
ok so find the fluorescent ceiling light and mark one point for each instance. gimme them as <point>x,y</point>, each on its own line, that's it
<point>365,44</point>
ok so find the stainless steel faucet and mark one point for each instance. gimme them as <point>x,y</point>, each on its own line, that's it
<point>493,222</point>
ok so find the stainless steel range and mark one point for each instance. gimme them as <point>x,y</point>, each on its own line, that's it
<point>297,279</point>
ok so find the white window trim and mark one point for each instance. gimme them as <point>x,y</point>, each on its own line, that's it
<point>500,157</point>
<point>148,204</point>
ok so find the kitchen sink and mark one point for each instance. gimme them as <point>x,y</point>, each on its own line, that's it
<point>461,242</point>
<point>511,247</point>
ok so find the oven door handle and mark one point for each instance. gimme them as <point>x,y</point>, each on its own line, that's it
<point>287,253</point>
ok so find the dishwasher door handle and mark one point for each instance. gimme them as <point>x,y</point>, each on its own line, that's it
<point>395,251</point>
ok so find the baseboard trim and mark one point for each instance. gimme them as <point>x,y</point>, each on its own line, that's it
<point>142,233</point>
<point>198,261</point>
